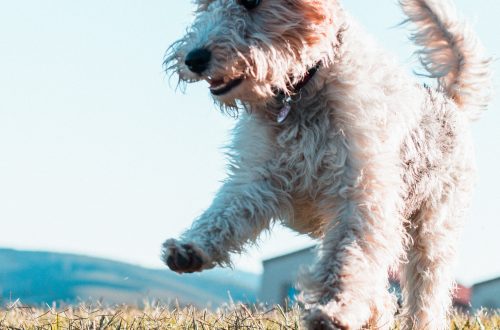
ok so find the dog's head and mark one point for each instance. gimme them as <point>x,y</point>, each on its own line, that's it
<point>249,49</point>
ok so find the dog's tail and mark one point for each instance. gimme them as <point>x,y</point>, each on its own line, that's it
<point>451,53</point>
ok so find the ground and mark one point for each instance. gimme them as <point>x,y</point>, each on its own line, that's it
<point>155,316</point>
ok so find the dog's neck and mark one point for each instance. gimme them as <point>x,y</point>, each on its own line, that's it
<point>286,100</point>
<point>283,103</point>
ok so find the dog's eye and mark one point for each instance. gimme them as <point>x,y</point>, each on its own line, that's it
<point>249,4</point>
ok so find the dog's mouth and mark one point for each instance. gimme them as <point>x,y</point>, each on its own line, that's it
<point>221,86</point>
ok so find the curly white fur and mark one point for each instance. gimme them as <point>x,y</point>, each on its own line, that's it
<point>376,166</point>
<point>451,53</point>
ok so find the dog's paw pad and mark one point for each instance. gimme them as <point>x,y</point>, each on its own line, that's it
<point>318,320</point>
<point>182,258</point>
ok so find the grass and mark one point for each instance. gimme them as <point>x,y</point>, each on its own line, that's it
<point>161,317</point>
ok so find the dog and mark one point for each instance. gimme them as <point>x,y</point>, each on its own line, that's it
<point>335,140</point>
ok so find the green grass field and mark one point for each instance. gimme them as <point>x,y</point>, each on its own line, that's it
<point>163,317</point>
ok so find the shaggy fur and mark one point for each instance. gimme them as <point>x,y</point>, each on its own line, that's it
<point>374,165</point>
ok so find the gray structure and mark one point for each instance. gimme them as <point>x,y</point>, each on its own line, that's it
<point>279,282</point>
<point>280,276</point>
<point>486,294</point>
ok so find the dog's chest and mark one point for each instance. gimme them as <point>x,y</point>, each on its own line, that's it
<point>305,148</point>
<point>311,156</point>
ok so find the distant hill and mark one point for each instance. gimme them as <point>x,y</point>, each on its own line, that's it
<point>45,277</point>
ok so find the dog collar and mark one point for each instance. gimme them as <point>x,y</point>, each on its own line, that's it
<point>287,100</point>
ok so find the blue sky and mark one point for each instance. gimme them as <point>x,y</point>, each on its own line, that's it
<point>99,155</point>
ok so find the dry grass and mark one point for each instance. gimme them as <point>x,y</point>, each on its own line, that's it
<point>159,317</point>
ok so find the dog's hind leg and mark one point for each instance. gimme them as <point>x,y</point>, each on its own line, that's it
<point>428,279</point>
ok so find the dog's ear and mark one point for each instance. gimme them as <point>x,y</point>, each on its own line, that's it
<point>322,12</point>
<point>202,5</point>
<point>320,16</point>
<point>314,11</point>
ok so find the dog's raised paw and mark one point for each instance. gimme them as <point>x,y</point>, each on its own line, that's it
<point>182,258</point>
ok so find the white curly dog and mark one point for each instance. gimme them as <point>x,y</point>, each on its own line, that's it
<point>338,142</point>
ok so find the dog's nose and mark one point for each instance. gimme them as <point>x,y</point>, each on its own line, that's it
<point>197,60</point>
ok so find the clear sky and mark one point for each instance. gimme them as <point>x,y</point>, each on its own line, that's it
<point>99,155</point>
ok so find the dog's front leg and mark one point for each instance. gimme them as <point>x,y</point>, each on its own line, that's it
<point>241,210</point>
<point>347,287</point>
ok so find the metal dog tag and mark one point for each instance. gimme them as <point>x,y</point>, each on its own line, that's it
<point>283,114</point>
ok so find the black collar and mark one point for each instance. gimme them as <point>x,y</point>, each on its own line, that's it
<point>307,77</point>
<point>281,97</point>
<point>298,86</point>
